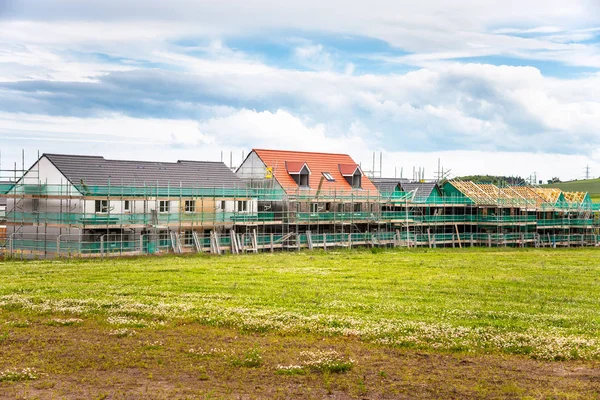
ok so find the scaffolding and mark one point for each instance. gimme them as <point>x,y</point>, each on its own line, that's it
<point>46,220</point>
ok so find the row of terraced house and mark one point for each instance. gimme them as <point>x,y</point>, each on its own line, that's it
<point>71,205</point>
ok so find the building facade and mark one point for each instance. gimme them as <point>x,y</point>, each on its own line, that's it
<point>67,205</point>
<point>90,205</point>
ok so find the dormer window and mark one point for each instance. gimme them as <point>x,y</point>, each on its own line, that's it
<point>352,174</point>
<point>300,172</point>
<point>356,180</point>
<point>301,178</point>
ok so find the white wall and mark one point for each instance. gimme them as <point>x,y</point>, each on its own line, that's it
<point>43,172</point>
<point>232,206</point>
<point>116,206</point>
<point>252,168</point>
<point>253,171</point>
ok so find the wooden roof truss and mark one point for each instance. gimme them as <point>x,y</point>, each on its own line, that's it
<point>489,194</point>
<point>574,197</point>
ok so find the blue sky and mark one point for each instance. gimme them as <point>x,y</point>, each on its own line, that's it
<point>500,87</point>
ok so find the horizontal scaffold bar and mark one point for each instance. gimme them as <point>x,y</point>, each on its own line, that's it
<point>212,217</point>
<point>12,190</point>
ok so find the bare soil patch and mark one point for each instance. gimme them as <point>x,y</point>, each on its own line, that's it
<point>189,360</point>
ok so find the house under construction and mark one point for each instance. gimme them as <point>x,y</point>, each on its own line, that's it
<point>67,205</point>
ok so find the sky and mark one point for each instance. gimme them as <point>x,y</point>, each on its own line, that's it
<point>486,86</point>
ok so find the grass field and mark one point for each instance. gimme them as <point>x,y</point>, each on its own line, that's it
<point>376,324</point>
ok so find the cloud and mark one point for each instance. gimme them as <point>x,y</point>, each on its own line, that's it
<point>280,130</point>
<point>314,56</point>
<point>122,137</point>
<point>435,28</point>
<point>458,106</point>
<point>162,139</point>
<point>308,12</point>
<point>537,29</point>
<point>112,128</point>
<point>197,76</point>
<point>33,62</point>
<point>461,163</point>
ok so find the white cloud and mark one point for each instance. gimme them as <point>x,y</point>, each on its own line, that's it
<point>436,29</point>
<point>468,106</point>
<point>121,136</point>
<point>280,130</point>
<point>461,163</point>
<point>117,129</point>
<point>537,29</point>
<point>34,62</point>
<point>314,56</point>
<point>167,140</point>
<point>442,105</point>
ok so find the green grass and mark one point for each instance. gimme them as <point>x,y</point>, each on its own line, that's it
<point>592,186</point>
<point>468,323</point>
<point>250,359</point>
<point>541,303</point>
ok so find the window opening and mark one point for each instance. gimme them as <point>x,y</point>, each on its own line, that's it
<point>164,206</point>
<point>101,206</point>
<point>190,206</point>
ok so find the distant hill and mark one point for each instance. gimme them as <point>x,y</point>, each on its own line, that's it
<point>493,179</point>
<point>592,186</point>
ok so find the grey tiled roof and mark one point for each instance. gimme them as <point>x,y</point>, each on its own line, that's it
<point>98,171</point>
<point>423,189</point>
<point>387,185</point>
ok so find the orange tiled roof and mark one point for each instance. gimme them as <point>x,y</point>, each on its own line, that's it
<point>294,167</point>
<point>347,169</point>
<point>281,161</point>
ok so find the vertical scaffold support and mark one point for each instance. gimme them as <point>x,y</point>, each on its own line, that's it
<point>234,245</point>
<point>197,242</point>
<point>458,236</point>
<point>254,241</point>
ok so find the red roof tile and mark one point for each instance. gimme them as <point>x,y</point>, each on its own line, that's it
<point>294,167</point>
<point>283,161</point>
<point>348,169</point>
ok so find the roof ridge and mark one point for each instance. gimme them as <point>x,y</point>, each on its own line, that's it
<point>132,161</point>
<point>302,152</point>
<point>201,161</point>
<point>71,155</point>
